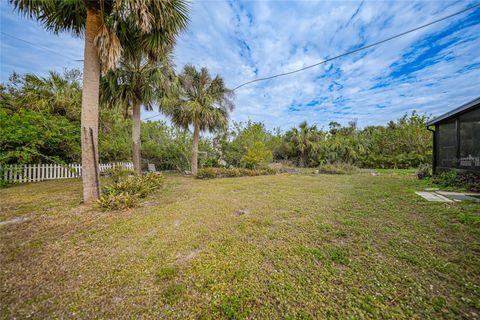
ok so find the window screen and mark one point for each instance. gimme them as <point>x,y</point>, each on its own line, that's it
<point>447,145</point>
<point>470,140</point>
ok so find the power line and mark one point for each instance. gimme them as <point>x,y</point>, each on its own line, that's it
<point>40,46</point>
<point>350,52</point>
<point>358,49</point>
<point>157,115</point>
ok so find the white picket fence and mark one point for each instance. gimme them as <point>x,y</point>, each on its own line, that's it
<point>40,172</point>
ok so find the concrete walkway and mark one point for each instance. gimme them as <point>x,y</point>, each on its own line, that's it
<point>446,196</point>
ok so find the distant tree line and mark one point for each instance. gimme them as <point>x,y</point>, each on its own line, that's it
<point>40,117</point>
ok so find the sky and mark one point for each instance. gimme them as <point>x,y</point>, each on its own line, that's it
<point>432,70</point>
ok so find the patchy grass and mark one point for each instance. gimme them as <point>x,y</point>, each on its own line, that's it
<point>307,246</point>
<point>402,172</point>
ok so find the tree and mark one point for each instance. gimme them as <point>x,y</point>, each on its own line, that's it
<point>235,143</point>
<point>256,155</point>
<point>58,94</point>
<point>303,140</point>
<point>111,29</point>
<point>136,82</point>
<point>200,101</point>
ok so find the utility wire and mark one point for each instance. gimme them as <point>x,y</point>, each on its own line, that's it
<point>157,115</point>
<point>359,49</point>
<point>350,52</point>
<point>39,46</point>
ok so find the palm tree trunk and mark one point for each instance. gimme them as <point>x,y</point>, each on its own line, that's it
<point>89,117</point>
<point>301,160</point>
<point>196,132</point>
<point>137,165</point>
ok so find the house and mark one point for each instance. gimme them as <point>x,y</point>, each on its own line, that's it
<point>456,139</point>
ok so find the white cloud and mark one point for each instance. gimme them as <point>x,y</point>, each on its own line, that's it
<point>242,40</point>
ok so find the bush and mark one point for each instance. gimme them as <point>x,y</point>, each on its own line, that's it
<point>452,179</point>
<point>118,173</point>
<point>424,171</point>
<point>256,155</point>
<point>446,179</point>
<point>118,201</point>
<point>127,192</point>
<point>210,162</point>
<point>211,173</point>
<point>338,168</point>
<point>470,180</point>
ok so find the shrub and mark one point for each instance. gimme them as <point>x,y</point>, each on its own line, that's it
<point>118,201</point>
<point>338,168</point>
<point>127,192</point>
<point>424,171</point>
<point>139,185</point>
<point>446,179</point>
<point>470,180</point>
<point>118,173</point>
<point>256,155</point>
<point>210,162</point>
<point>211,173</point>
<point>207,173</point>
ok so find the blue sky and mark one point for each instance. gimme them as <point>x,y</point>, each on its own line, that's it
<point>432,70</point>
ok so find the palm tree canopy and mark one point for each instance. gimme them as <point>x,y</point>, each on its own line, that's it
<point>136,81</point>
<point>304,137</point>
<point>57,93</point>
<point>198,99</point>
<point>128,26</point>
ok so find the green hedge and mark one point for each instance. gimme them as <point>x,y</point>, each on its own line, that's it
<point>211,173</point>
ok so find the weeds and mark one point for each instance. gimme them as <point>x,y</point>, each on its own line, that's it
<point>424,171</point>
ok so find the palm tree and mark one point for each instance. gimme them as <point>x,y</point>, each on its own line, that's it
<point>200,101</point>
<point>111,28</point>
<point>304,141</point>
<point>136,82</point>
<point>59,94</point>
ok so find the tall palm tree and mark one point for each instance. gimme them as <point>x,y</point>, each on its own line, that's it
<point>304,140</point>
<point>111,28</point>
<point>134,83</point>
<point>200,101</point>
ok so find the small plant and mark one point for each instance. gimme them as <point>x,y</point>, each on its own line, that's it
<point>120,201</point>
<point>166,273</point>
<point>118,173</point>
<point>470,180</point>
<point>174,292</point>
<point>338,168</point>
<point>424,171</point>
<point>127,193</point>
<point>207,173</point>
<point>446,179</point>
<point>139,185</point>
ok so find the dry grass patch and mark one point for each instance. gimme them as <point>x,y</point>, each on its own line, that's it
<point>311,246</point>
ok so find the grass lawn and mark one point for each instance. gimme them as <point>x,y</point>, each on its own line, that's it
<point>287,246</point>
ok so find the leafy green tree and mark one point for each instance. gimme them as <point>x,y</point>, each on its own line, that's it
<point>29,136</point>
<point>111,28</point>
<point>256,155</point>
<point>201,101</point>
<point>235,143</point>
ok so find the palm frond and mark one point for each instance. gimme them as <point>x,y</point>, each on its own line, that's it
<point>200,100</point>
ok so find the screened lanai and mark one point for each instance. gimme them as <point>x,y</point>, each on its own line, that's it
<point>456,138</point>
